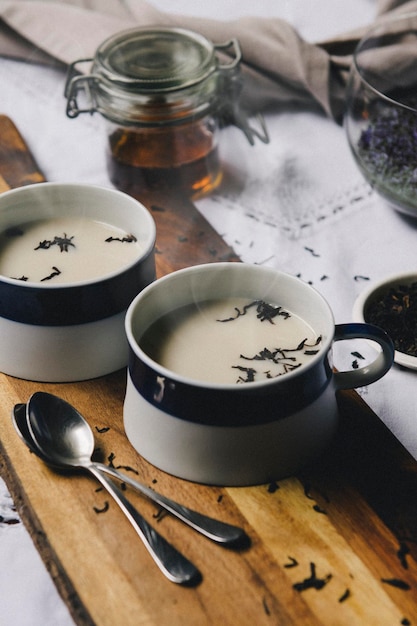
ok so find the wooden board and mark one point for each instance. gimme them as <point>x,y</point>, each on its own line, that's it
<point>336,545</point>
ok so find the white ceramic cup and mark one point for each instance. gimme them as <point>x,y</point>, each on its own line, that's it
<point>230,434</point>
<point>71,331</point>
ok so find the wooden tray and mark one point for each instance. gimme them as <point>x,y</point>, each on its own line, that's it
<point>335,545</point>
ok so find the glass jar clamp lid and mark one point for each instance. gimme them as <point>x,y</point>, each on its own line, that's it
<point>161,77</point>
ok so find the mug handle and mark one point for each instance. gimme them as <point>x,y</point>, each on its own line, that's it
<point>373,371</point>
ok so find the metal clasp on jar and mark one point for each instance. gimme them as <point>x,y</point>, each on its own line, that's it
<point>86,86</point>
<point>77,82</point>
<point>230,110</point>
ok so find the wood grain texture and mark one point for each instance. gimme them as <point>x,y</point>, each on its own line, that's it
<point>335,545</point>
<point>184,237</point>
<point>17,166</point>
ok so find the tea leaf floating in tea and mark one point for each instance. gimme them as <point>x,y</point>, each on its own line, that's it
<point>126,239</point>
<point>264,311</point>
<point>63,243</point>
<point>55,272</point>
<point>84,249</point>
<point>211,340</point>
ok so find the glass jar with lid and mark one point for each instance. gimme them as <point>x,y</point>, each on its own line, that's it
<point>164,92</point>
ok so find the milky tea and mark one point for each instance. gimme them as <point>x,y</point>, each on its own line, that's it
<point>65,250</point>
<point>231,340</point>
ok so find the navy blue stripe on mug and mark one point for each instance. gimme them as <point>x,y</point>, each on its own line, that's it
<point>76,304</point>
<point>247,405</point>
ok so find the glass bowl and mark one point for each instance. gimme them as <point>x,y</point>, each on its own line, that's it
<point>381,113</point>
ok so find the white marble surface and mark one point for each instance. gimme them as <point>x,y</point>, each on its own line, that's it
<point>300,205</point>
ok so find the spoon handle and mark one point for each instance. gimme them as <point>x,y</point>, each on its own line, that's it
<point>172,563</point>
<point>216,530</point>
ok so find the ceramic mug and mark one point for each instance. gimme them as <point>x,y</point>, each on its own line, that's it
<point>226,433</point>
<point>74,329</point>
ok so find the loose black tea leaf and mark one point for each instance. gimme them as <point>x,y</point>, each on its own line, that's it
<point>275,356</point>
<point>313,253</point>
<point>396,582</point>
<point>395,311</point>
<point>128,468</point>
<point>266,607</point>
<point>111,458</point>
<point>278,356</point>
<point>44,245</point>
<point>126,239</point>
<point>105,429</point>
<point>9,521</point>
<point>55,272</point>
<point>103,509</point>
<point>249,371</point>
<point>264,311</point>
<point>292,563</point>
<point>62,242</point>
<point>344,596</point>
<point>160,514</point>
<point>312,582</point>
<point>318,509</point>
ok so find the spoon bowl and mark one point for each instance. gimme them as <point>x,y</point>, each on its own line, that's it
<point>21,426</point>
<point>59,430</point>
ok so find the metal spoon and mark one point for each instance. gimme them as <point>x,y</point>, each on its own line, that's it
<point>221,532</point>
<point>65,442</point>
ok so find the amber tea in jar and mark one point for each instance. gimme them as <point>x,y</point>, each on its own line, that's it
<point>164,93</point>
<point>171,157</point>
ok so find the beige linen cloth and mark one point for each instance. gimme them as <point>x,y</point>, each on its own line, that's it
<point>280,67</point>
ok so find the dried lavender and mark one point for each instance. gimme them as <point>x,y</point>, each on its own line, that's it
<point>388,149</point>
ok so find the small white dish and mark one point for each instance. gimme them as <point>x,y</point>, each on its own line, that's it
<point>376,290</point>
